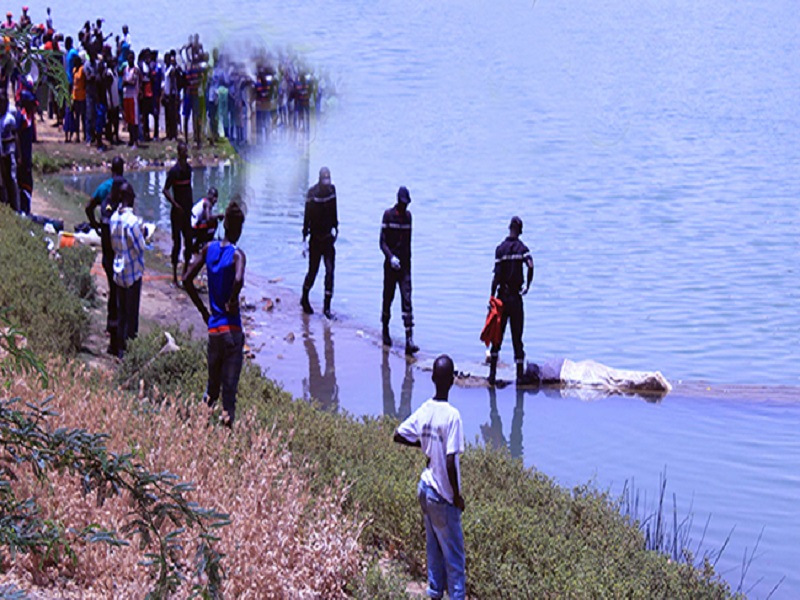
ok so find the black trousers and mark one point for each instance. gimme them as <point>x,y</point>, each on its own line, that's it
<point>108,267</point>
<point>181,226</point>
<point>316,252</point>
<point>225,360</point>
<point>8,181</point>
<point>512,311</point>
<point>393,279</point>
<point>145,110</point>
<point>127,315</point>
<point>171,116</point>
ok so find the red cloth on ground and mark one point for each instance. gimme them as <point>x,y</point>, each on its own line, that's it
<point>491,333</point>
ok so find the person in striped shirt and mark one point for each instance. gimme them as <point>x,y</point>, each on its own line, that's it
<point>127,240</point>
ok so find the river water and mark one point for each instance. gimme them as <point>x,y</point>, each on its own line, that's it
<point>651,151</point>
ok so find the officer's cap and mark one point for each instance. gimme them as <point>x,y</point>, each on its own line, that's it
<point>403,195</point>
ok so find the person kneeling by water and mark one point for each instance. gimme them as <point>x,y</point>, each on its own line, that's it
<point>225,263</point>
<point>204,222</point>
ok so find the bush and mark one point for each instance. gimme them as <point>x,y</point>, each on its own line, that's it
<point>264,535</point>
<point>75,267</point>
<point>526,537</point>
<point>31,287</point>
<point>162,374</point>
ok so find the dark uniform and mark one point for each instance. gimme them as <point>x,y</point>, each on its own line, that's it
<point>396,241</point>
<point>106,196</point>
<point>179,179</point>
<point>319,220</point>
<point>396,246</point>
<point>510,257</point>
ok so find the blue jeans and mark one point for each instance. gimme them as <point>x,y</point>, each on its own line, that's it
<point>225,359</point>
<point>445,544</point>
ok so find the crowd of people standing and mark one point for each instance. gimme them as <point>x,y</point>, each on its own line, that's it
<point>188,91</point>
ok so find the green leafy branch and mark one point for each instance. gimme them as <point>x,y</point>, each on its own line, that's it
<point>162,516</point>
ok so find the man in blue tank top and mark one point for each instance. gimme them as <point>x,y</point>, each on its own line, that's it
<point>225,264</point>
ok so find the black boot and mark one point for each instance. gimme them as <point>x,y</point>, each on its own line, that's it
<point>327,308</point>
<point>492,379</point>
<point>523,377</point>
<point>387,338</point>
<point>411,347</point>
<point>306,304</point>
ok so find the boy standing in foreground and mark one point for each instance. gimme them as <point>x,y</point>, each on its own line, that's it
<point>436,428</point>
<point>225,264</point>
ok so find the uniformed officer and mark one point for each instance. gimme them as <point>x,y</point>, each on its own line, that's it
<point>396,246</point>
<point>507,284</point>
<point>321,223</point>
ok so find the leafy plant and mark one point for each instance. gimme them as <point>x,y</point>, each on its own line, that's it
<point>160,512</point>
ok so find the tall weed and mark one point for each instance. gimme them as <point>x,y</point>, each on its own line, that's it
<point>285,538</point>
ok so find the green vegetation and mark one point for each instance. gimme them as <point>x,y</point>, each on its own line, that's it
<point>158,510</point>
<point>56,157</point>
<point>37,293</point>
<point>526,537</point>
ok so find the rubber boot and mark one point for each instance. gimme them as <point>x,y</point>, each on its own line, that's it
<point>411,347</point>
<point>387,338</point>
<point>492,379</point>
<point>327,308</point>
<point>523,378</point>
<point>306,304</point>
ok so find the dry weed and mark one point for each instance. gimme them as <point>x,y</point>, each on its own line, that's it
<point>281,541</point>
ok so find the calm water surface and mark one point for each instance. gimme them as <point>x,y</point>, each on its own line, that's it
<point>651,150</point>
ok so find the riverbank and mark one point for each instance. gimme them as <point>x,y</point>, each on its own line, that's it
<point>510,507</point>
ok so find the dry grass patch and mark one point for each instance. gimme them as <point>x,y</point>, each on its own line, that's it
<point>282,540</point>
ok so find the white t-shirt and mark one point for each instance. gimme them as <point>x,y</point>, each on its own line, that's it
<point>437,426</point>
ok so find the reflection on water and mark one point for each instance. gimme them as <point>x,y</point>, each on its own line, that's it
<point>492,432</point>
<point>320,386</point>
<point>406,389</point>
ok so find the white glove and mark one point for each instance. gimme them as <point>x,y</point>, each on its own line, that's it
<point>305,248</point>
<point>395,262</point>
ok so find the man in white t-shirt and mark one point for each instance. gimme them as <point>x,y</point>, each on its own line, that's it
<point>436,428</point>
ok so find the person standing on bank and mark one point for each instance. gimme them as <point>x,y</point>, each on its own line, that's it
<point>178,190</point>
<point>509,258</point>
<point>395,243</point>
<point>321,224</point>
<point>127,239</point>
<point>225,263</point>
<point>436,428</point>
<point>106,196</point>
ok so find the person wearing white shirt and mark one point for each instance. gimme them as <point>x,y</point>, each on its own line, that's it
<point>436,428</point>
<point>127,240</point>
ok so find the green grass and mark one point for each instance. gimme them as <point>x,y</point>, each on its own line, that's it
<point>46,298</point>
<point>526,537</point>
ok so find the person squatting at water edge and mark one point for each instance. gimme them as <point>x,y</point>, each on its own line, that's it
<point>106,196</point>
<point>436,428</point>
<point>178,190</point>
<point>395,242</point>
<point>204,221</point>
<point>510,256</point>
<point>225,264</point>
<point>321,224</point>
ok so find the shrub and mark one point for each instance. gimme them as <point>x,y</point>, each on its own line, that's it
<point>31,288</point>
<point>75,267</point>
<point>526,537</point>
<point>283,539</point>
